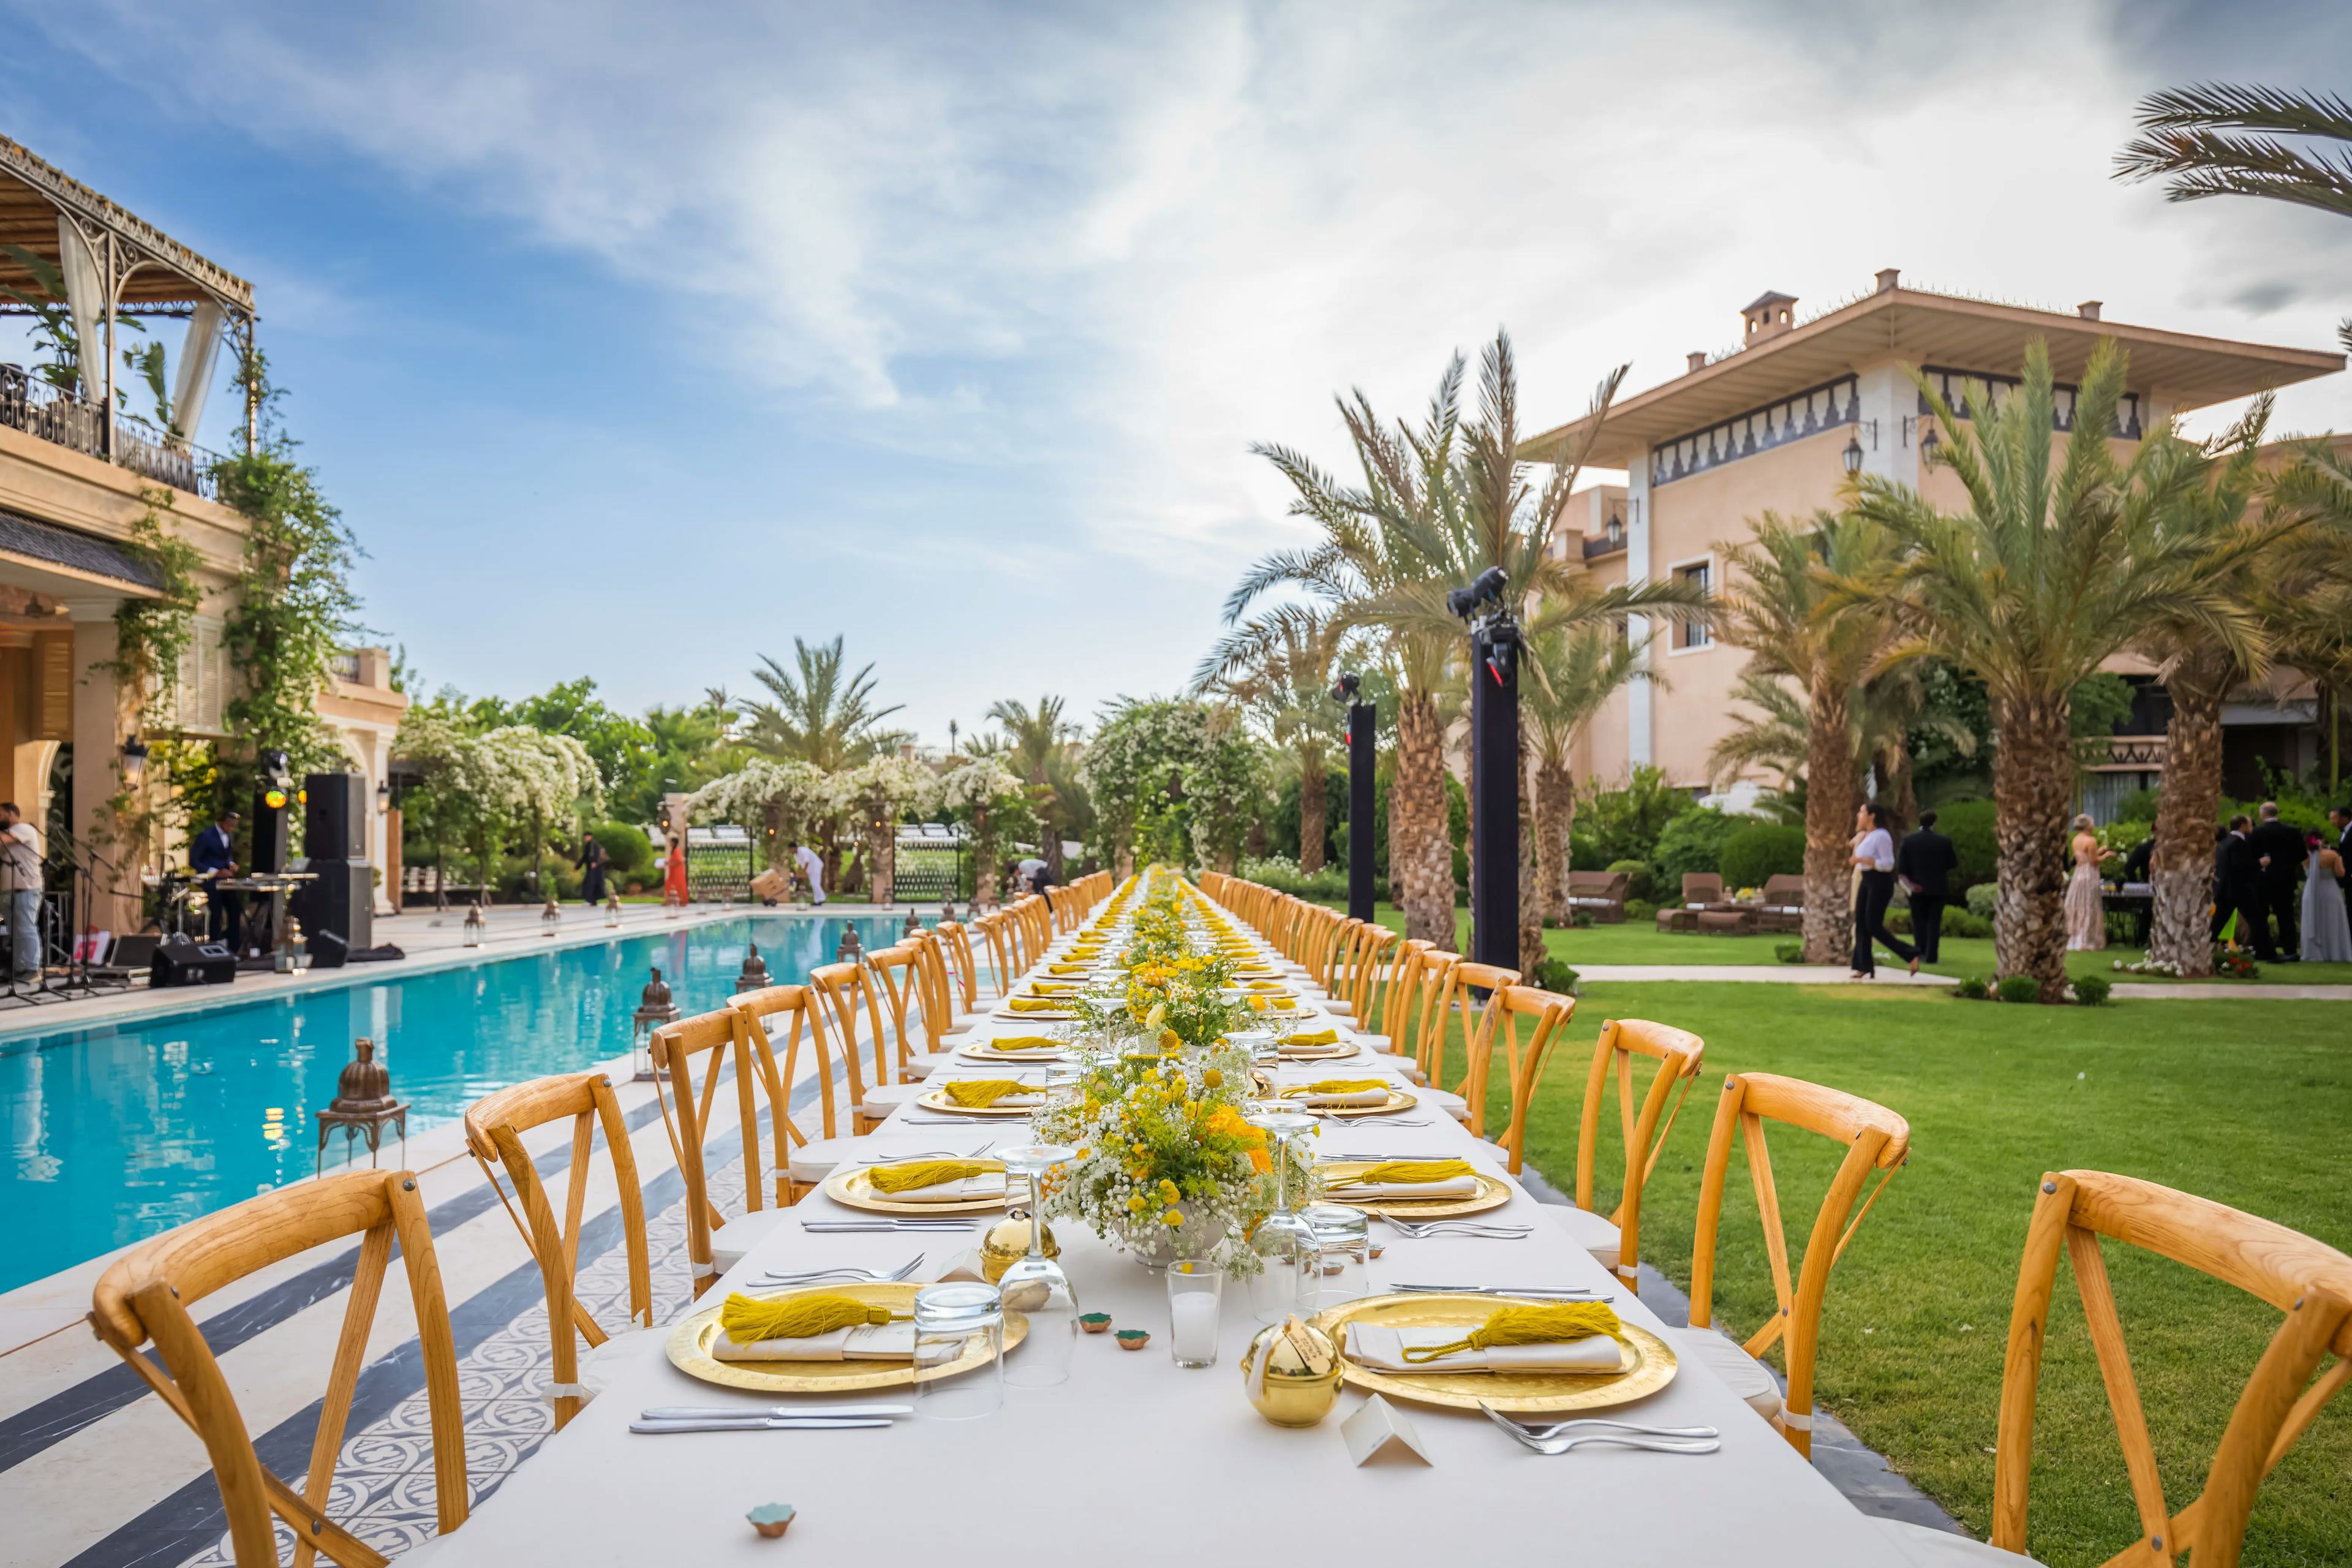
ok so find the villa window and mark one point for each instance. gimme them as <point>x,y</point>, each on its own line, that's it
<point>1693,634</point>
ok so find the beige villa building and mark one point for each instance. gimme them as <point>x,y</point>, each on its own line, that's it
<point>1778,421</point>
<point>77,472</point>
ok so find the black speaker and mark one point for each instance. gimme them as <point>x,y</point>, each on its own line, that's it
<point>335,816</point>
<point>268,855</point>
<point>327,950</point>
<point>186,962</point>
<point>340,902</point>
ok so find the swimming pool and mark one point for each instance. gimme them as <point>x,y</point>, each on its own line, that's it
<point>117,1131</point>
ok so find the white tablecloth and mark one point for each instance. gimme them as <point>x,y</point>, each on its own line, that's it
<point>1137,1460</point>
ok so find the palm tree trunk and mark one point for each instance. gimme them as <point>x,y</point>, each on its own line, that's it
<point>1427,860</point>
<point>2186,802</point>
<point>1829,825</point>
<point>1312,823</point>
<point>1900,793</point>
<point>2033,791</point>
<point>1393,827</point>
<point>1555,815</point>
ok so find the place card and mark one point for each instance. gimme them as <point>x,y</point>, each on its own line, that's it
<point>1379,1429</point>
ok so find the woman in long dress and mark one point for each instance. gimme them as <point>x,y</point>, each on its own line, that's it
<point>2327,928</point>
<point>2086,912</point>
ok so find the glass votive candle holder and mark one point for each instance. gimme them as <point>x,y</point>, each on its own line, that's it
<point>1343,1244</point>
<point>955,1325</point>
<point>1196,1291</point>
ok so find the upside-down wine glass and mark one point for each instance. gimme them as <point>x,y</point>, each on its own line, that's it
<point>1283,1241</point>
<point>1037,1286</point>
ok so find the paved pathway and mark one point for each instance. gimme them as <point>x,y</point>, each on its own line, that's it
<point>2190,991</point>
<point>1770,973</point>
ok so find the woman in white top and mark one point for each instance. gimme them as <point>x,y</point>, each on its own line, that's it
<point>1873,853</point>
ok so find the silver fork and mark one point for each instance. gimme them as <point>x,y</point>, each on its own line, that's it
<point>1459,1227</point>
<point>1562,1444</point>
<point>1559,1428</point>
<point>809,1276</point>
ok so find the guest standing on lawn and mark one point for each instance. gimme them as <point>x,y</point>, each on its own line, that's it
<point>2237,889</point>
<point>2279,850</point>
<point>1925,864</point>
<point>2086,915</point>
<point>1873,856</point>
<point>2327,926</point>
<point>591,869</point>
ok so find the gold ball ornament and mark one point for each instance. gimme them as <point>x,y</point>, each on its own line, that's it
<point>1008,1239</point>
<point>1291,1371</point>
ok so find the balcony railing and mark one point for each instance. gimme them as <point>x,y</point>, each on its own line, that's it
<point>36,407</point>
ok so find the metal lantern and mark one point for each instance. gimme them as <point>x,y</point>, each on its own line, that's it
<point>474,925</point>
<point>551,919</point>
<point>653,1009</point>
<point>851,950</point>
<point>290,958</point>
<point>613,909</point>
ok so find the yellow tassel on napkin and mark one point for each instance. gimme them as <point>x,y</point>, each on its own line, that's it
<point>1036,1005</point>
<point>1547,1325</point>
<point>794,1318</point>
<point>1021,1042</point>
<point>1401,1171</point>
<point>916,1173</point>
<point>986,1091</point>
<point>1340,1086</point>
<point>1312,1037</point>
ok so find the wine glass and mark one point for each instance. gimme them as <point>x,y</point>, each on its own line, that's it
<point>1035,1286</point>
<point>1283,1241</point>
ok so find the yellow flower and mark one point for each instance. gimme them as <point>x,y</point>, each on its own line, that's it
<point>1171,1219</point>
<point>1135,1205</point>
<point>1169,1192</point>
<point>1212,1077</point>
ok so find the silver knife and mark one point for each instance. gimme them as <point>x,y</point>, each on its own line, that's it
<point>786,1411</point>
<point>759,1424</point>
<point>1500,1290</point>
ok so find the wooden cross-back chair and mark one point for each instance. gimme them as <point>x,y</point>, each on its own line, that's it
<point>1470,988</point>
<point>718,1039</point>
<point>494,1128</point>
<point>894,975</point>
<point>1031,928</point>
<point>935,989</point>
<point>1339,943</point>
<point>1642,1122</point>
<point>1434,1011</point>
<point>1001,960</point>
<point>796,1013</point>
<point>1523,1065</point>
<point>842,991</point>
<point>1369,969</point>
<point>955,946</point>
<point>2307,1281</point>
<point>148,1294</point>
<point>1876,1140</point>
<point>1385,1022</point>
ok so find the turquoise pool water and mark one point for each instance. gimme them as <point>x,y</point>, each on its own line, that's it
<point>117,1132</point>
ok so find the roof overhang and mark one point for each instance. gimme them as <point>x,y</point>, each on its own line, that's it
<point>1916,328</point>
<point>52,560</point>
<point>159,273</point>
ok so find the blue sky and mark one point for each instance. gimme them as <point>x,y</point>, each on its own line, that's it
<point>635,340</point>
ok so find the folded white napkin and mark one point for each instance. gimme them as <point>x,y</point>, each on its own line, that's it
<point>988,1185</point>
<point>1360,1097</point>
<point>1451,1187</point>
<point>1382,1348</point>
<point>869,1342</point>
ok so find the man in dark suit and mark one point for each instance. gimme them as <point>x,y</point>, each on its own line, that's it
<point>1925,862</point>
<point>2238,888</point>
<point>2279,852</point>
<point>213,855</point>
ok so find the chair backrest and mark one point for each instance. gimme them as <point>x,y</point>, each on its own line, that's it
<point>1523,1065</point>
<point>1475,986</point>
<point>1785,890</point>
<point>842,991</point>
<point>2311,1283</point>
<point>757,1018</point>
<point>1434,1014</point>
<point>1677,1053</point>
<point>149,1293</point>
<point>897,979</point>
<point>1875,1140</point>
<point>1371,969</point>
<point>494,1128</point>
<point>715,1038</point>
<point>1000,961</point>
<point>1701,887</point>
<point>955,942</point>
<point>1408,962</point>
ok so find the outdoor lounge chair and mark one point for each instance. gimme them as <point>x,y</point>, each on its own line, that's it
<point>1702,887</point>
<point>1783,906</point>
<point>1600,894</point>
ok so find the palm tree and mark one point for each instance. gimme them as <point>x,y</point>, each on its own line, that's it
<point>2051,570</point>
<point>2213,140</point>
<point>1572,673</point>
<point>1037,736</point>
<point>1279,670</point>
<point>817,716</point>
<point>1784,612</point>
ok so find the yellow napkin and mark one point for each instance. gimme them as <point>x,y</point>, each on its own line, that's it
<point>916,1173</point>
<point>1069,969</point>
<point>1311,1037</point>
<point>987,1090</point>
<point>1036,1005</point>
<point>1005,1045</point>
<point>1052,988</point>
<point>1273,1005</point>
<point>1397,1172</point>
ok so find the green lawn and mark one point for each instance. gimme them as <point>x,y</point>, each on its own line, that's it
<point>2252,1109</point>
<point>1644,943</point>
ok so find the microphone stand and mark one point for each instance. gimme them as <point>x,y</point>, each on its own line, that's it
<point>84,857</point>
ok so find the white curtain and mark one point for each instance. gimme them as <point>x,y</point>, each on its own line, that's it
<point>197,356</point>
<point>86,299</point>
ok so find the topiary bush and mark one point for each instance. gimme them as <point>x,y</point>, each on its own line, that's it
<point>1968,825</point>
<point>1789,951</point>
<point>1640,911</point>
<point>1554,974</point>
<point>1693,842</point>
<point>1972,989</point>
<point>628,852</point>
<point>1963,923</point>
<point>2019,988</point>
<point>1759,851</point>
<point>1643,885</point>
<point>1980,901</point>
<point>2091,991</point>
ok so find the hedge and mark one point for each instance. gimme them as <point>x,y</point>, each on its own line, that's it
<point>1760,851</point>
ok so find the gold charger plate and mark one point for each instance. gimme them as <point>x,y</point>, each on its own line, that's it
<point>1332,1052</point>
<point>691,1342</point>
<point>1649,1361</point>
<point>1493,1194</point>
<point>1398,1101</point>
<point>856,1189</point>
<point>937,1099</point>
<point>1046,1015</point>
<point>982,1052</point>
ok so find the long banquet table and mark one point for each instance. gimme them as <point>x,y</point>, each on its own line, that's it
<point>1137,1460</point>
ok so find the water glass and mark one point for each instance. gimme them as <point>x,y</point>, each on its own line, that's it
<point>950,1321</point>
<point>1035,1286</point>
<point>1343,1242</point>
<point>1196,1291</point>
